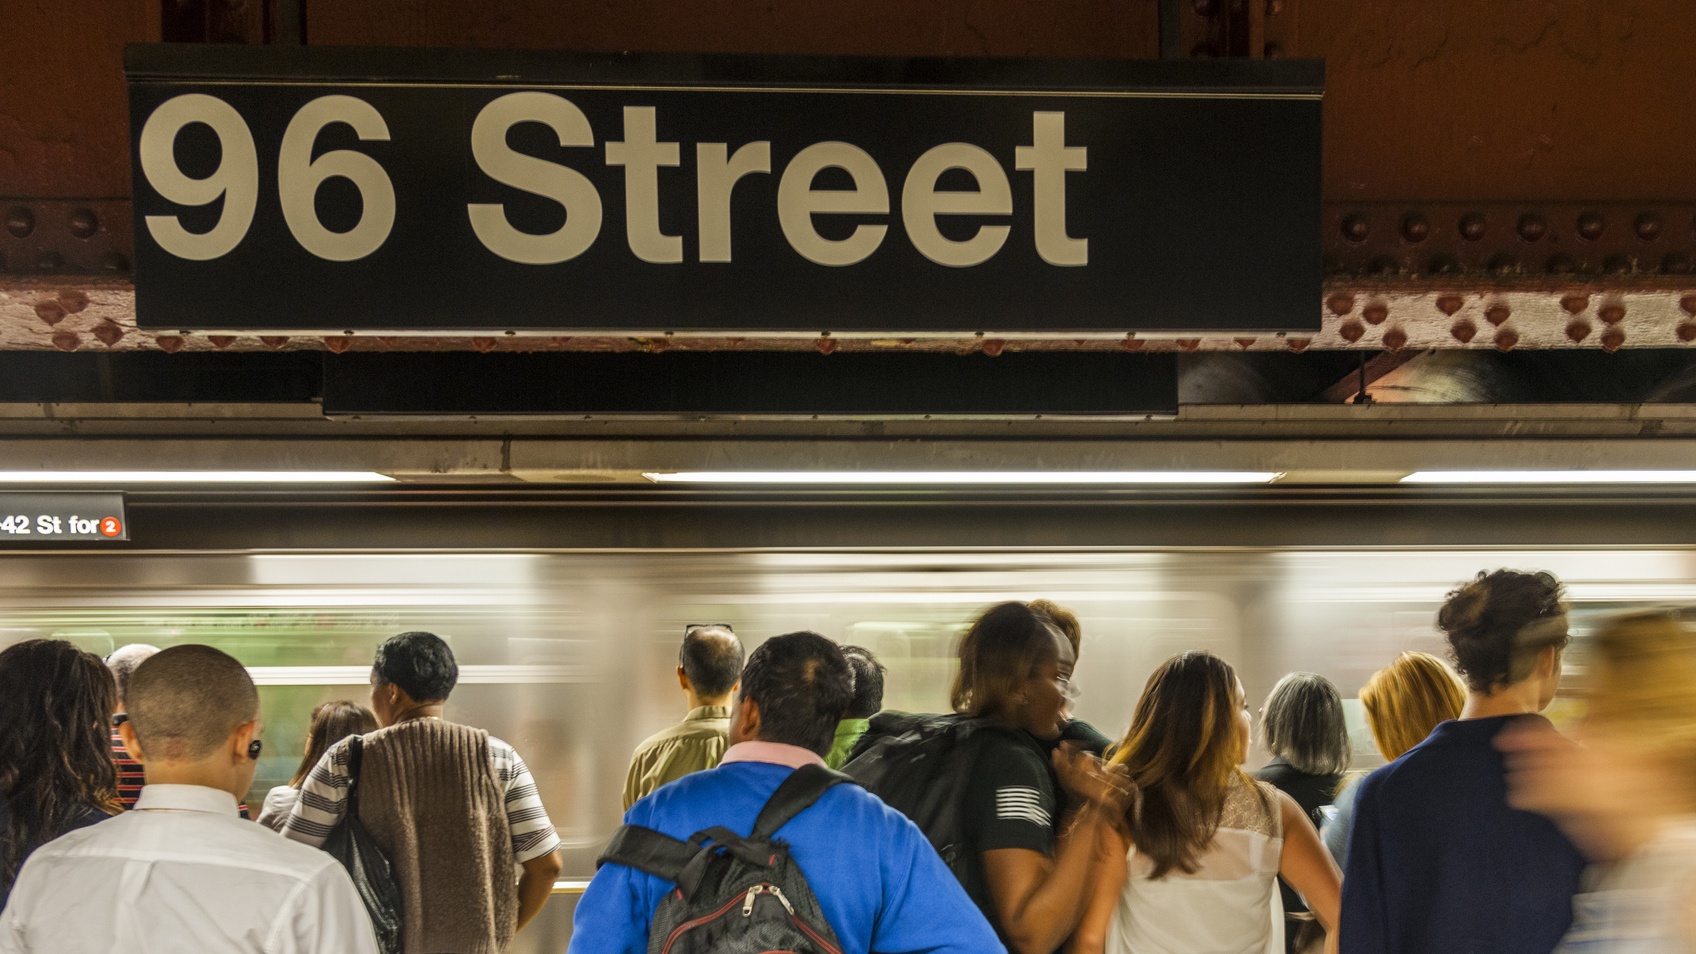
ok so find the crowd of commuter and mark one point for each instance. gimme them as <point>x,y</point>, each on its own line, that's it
<point>789,810</point>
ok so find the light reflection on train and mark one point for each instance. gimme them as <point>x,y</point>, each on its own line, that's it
<point>570,655</point>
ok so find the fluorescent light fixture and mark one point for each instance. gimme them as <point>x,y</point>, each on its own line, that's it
<point>192,477</point>
<point>965,477</point>
<point>1551,477</point>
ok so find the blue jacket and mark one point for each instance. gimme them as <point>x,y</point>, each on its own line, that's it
<point>881,885</point>
<point>1439,864</point>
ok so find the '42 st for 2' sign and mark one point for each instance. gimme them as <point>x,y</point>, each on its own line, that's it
<point>358,190</point>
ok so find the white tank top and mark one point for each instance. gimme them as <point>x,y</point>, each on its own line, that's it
<point>1229,905</point>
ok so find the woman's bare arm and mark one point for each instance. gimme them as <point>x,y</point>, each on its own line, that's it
<point>1308,868</point>
<point>1108,880</point>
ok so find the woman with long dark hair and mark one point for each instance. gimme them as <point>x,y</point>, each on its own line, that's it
<point>56,774</point>
<point>1192,864</point>
<point>331,723</point>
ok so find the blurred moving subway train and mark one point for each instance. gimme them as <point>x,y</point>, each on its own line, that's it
<point>570,655</point>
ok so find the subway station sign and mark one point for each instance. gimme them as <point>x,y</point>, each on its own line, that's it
<point>46,517</point>
<point>322,189</point>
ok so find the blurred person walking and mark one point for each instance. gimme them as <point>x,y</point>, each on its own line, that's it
<point>986,783</point>
<point>1403,701</point>
<point>331,723</point>
<point>708,665</point>
<point>56,771</point>
<point>1087,736</point>
<point>183,872</point>
<point>867,702</point>
<point>878,884</point>
<point>1438,861</point>
<point>1627,791</point>
<point>453,808</point>
<point>1304,728</point>
<point>1191,865</point>
<point>123,662</point>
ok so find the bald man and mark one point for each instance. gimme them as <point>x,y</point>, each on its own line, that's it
<point>183,872</point>
<point>709,666</point>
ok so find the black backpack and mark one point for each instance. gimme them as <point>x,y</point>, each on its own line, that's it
<point>734,895</point>
<point>921,765</point>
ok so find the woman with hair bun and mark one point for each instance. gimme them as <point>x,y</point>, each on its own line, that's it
<point>1191,865</point>
<point>1404,701</point>
<point>1438,862</point>
<point>1628,793</point>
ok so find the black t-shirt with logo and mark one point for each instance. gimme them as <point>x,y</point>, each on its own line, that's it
<point>1012,801</point>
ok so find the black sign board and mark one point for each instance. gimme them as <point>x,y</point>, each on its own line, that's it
<point>322,189</point>
<point>28,518</point>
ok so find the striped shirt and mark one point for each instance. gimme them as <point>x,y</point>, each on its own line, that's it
<point>323,802</point>
<point>129,772</point>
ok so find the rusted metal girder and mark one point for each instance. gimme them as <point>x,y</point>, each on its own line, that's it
<point>1497,175</point>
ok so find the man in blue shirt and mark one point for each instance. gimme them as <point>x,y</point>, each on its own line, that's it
<point>881,885</point>
<point>1437,861</point>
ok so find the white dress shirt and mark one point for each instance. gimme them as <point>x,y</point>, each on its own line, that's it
<point>183,874</point>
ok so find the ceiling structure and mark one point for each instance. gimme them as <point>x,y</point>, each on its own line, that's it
<point>1498,177</point>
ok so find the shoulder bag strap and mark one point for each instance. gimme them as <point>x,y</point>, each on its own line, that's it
<point>355,755</point>
<point>797,793</point>
<point>644,849</point>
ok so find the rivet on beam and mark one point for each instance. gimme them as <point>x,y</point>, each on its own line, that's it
<point>1648,226</point>
<point>1375,313</point>
<point>1562,264</point>
<point>84,223</point>
<point>50,311</point>
<point>221,341</point>
<point>1687,331</point>
<point>170,344</point>
<point>66,340</point>
<point>1613,338</point>
<point>1449,304</point>
<point>1575,304</point>
<point>1356,228</point>
<point>109,333</point>
<point>990,346</point>
<point>1244,343</point>
<point>1611,314</point>
<point>1415,228</point>
<point>1591,225</point>
<point>1578,329</point>
<point>1532,226</point>
<point>1472,227</point>
<point>20,221</point>
<point>274,342</point>
<point>1340,304</point>
<point>338,345</point>
<point>1506,339</point>
<point>1352,331</point>
<point>1464,331</point>
<point>1298,345</point>
<point>1189,344</point>
<point>1395,340</point>
<point>1497,314</point>
<point>1688,304</point>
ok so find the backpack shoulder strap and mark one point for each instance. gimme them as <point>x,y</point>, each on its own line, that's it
<point>355,755</point>
<point>647,850</point>
<point>797,793</point>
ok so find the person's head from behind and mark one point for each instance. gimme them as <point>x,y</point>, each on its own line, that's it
<point>1641,711</point>
<point>331,723</point>
<point>794,691</point>
<point>1408,698</point>
<point>868,682</point>
<point>1015,668</point>
<point>412,672</point>
<point>194,720</point>
<point>1187,741</point>
<point>123,662</point>
<point>1506,631</point>
<point>709,663</point>
<point>1065,621</point>
<point>56,705</point>
<point>1303,724</point>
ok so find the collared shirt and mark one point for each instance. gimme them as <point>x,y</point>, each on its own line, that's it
<point>693,745</point>
<point>879,883</point>
<point>323,802</point>
<point>183,874</point>
<point>848,732</point>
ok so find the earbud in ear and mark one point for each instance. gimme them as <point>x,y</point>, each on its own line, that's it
<point>254,748</point>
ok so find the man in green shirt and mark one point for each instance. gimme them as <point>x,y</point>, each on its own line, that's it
<point>868,701</point>
<point>709,668</point>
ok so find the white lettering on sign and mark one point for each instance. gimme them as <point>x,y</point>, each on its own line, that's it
<point>236,180</point>
<point>1050,159</point>
<point>921,204</point>
<point>299,176</point>
<point>641,154</point>
<point>568,187</point>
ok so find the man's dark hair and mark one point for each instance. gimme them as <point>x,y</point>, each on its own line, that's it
<point>1499,622</point>
<point>868,682</point>
<point>711,656</point>
<point>421,664</point>
<point>803,685</point>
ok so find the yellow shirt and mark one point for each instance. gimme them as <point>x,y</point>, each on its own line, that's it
<point>693,745</point>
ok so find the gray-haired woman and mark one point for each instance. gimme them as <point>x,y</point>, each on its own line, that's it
<point>1304,729</point>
